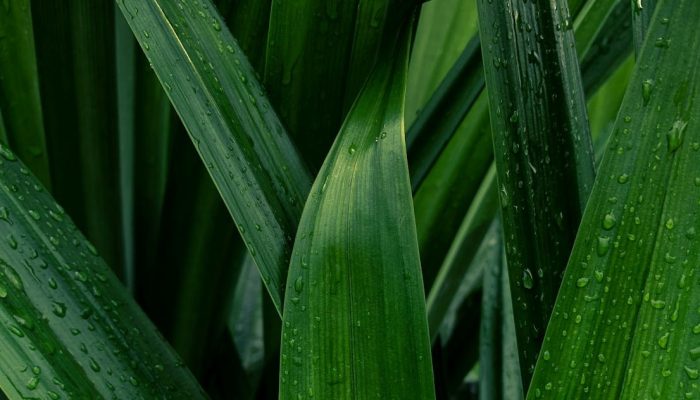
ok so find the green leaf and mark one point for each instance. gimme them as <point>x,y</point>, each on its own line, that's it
<point>70,330</point>
<point>306,66</point>
<point>589,22</point>
<point>444,29</point>
<point>19,87</point>
<point>354,319</point>
<point>248,155</point>
<point>642,11</point>
<point>444,112</point>
<point>465,245</point>
<point>542,149</point>
<point>498,352</point>
<point>75,45</point>
<point>627,308</point>
<point>371,22</point>
<point>611,46</point>
<point>443,199</point>
<point>248,21</point>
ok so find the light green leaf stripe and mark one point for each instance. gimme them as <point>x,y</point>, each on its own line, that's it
<point>68,329</point>
<point>626,322</point>
<point>247,152</point>
<point>354,321</point>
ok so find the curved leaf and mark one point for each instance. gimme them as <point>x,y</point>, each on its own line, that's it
<point>248,154</point>
<point>354,319</point>
<point>69,329</point>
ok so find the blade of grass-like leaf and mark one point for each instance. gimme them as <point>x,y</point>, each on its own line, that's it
<point>370,22</point>
<point>642,11</point>
<point>604,105</point>
<point>462,251</point>
<point>498,354</point>
<point>245,321</point>
<point>588,22</point>
<point>125,54</point>
<point>542,149</point>
<point>448,191</point>
<point>77,69</point>
<point>608,50</point>
<point>444,29</point>
<point>152,118</point>
<point>438,121</point>
<point>203,291</point>
<point>305,69</point>
<point>184,263</point>
<point>214,90</point>
<point>248,21</point>
<point>66,315</point>
<point>19,88</point>
<point>444,197</point>
<point>354,319</point>
<point>627,302</point>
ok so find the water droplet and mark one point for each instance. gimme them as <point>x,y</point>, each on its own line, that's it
<point>35,215</point>
<point>669,224</point>
<point>352,149</point>
<point>59,309</point>
<point>603,246</point>
<point>299,284</point>
<point>582,282</point>
<point>528,282</point>
<point>675,135</point>
<point>663,43</point>
<point>622,179</point>
<point>663,340</point>
<point>658,304</point>
<point>215,24</point>
<point>692,373</point>
<point>6,153</point>
<point>94,365</point>
<point>647,88</point>
<point>546,355</point>
<point>598,274</point>
<point>5,213</point>
<point>694,353</point>
<point>609,221</point>
<point>32,383</point>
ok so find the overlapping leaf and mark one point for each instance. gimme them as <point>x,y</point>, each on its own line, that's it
<point>247,152</point>
<point>69,329</point>
<point>625,322</point>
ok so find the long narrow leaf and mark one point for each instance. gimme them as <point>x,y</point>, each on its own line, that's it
<point>214,90</point>
<point>19,87</point>
<point>623,326</point>
<point>70,330</point>
<point>642,11</point>
<point>75,46</point>
<point>542,149</point>
<point>305,70</point>
<point>354,320</point>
